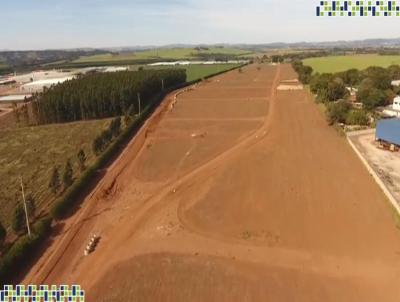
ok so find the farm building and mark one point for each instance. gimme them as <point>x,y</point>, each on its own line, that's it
<point>7,82</point>
<point>394,109</point>
<point>388,133</point>
<point>115,69</point>
<point>38,86</point>
<point>14,98</point>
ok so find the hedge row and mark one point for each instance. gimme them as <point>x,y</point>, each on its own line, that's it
<point>22,250</point>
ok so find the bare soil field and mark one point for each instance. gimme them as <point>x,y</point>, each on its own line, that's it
<point>259,202</point>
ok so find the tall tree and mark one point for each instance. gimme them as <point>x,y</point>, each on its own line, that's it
<point>337,112</point>
<point>102,95</point>
<point>55,182</point>
<point>97,145</point>
<point>3,233</point>
<point>81,160</point>
<point>30,205</point>
<point>115,126</point>
<point>18,222</point>
<point>68,174</point>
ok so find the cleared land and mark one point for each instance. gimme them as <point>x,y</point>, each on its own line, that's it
<point>240,193</point>
<point>174,53</point>
<point>33,152</point>
<point>342,63</point>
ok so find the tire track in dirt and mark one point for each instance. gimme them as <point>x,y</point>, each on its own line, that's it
<point>152,204</point>
<point>75,224</point>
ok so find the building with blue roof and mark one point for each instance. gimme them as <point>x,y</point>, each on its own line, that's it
<point>388,131</point>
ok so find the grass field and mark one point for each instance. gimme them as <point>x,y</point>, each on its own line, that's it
<point>341,63</point>
<point>3,66</point>
<point>195,72</point>
<point>32,152</point>
<point>173,53</point>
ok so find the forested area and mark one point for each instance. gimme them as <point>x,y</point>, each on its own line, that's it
<point>20,60</point>
<point>372,88</point>
<point>103,95</point>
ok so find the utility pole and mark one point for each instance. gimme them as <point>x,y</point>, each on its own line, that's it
<point>138,96</point>
<point>26,210</point>
<point>162,84</point>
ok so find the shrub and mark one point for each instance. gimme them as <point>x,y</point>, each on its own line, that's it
<point>97,145</point>
<point>357,117</point>
<point>21,251</point>
<point>43,227</point>
<point>18,223</point>
<point>81,160</point>
<point>3,233</point>
<point>115,126</point>
<point>68,173</point>
<point>337,112</point>
<point>55,182</point>
<point>304,72</point>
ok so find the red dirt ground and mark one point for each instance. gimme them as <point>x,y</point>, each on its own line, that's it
<point>240,193</point>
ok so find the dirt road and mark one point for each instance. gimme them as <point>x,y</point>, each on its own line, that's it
<point>240,193</point>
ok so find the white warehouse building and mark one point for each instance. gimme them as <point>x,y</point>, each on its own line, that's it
<point>38,86</point>
<point>394,109</point>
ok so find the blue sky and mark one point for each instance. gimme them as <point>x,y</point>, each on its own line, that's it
<point>40,24</point>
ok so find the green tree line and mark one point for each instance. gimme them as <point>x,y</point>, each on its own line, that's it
<point>103,95</point>
<point>373,89</point>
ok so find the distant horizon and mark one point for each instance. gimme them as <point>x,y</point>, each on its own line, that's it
<point>183,45</point>
<point>70,24</point>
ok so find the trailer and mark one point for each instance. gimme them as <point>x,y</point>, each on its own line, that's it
<point>388,134</point>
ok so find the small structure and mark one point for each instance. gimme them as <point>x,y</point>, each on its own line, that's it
<point>15,98</point>
<point>94,240</point>
<point>353,94</point>
<point>7,82</point>
<point>293,84</point>
<point>388,134</point>
<point>394,109</point>
<point>396,83</point>
<point>115,68</point>
<point>38,86</point>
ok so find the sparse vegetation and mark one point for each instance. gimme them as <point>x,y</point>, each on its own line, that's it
<point>21,251</point>
<point>18,223</point>
<point>357,117</point>
<point>3,233</point>
<point>68,175</point>
<point>81,156</point>
<point>34,152</point>
<point>55,182</point>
